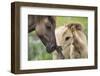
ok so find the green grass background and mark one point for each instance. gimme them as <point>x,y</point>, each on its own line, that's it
<point>36,49</point>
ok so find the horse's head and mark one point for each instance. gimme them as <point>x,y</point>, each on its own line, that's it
<point>45,29</point>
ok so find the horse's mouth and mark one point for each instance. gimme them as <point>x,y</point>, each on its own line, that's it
<point>51,49</point>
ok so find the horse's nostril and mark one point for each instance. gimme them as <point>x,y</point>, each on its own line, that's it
<point>53,47</point>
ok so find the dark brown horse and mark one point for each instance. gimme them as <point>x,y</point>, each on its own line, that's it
<point>45,29</point>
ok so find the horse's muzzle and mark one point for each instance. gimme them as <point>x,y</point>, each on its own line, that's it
<point>51,47</point>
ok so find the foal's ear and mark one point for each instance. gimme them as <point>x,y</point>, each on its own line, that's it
<point>76,26</point>
<point>67,26</point>
<point>79,27</point>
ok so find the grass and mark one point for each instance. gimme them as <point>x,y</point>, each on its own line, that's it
<point>36,49</point>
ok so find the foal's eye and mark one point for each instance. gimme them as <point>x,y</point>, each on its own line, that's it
<point>67,38</point>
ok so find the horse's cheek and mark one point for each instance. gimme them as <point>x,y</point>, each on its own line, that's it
<point>38,30</point>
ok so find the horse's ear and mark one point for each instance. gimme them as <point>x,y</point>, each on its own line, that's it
<point>52,19</point>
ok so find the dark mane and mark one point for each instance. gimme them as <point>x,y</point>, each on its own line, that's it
<point>35,19</point>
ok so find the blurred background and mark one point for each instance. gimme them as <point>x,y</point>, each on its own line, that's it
<point>36,49</point>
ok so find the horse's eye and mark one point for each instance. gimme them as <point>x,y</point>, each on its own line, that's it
<point>67,38</point>
<point>48,27</point>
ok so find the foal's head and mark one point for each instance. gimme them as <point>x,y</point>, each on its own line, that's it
<point>45,29</point>
<point>66,37</point>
